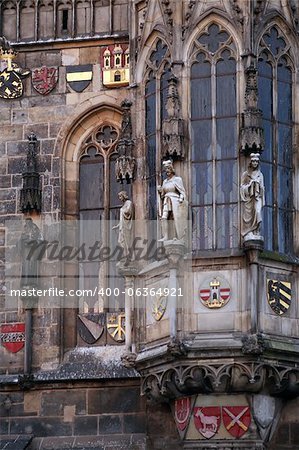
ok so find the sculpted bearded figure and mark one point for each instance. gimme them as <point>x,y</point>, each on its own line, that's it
<point>252,192</point>
<point>173,205</point>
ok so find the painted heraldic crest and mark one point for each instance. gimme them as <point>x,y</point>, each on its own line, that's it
<point>279,295</point>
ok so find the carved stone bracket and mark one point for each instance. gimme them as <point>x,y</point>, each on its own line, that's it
<point>188,15</point>
<point>167,11</point>
<point>253,344</point>
<point>125,163</point>
<point>173,126</point>
<point>31,192</point>
<point>252,133</point>
<point>233,377</point>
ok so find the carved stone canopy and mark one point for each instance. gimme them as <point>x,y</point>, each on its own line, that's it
<point>173,127</point>
<point>252,133</point>
<point>125,163</point>
<point>31,192</point>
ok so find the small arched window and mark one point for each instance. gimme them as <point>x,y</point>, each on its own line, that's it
<point>275,77</point>
<point>214,153</point>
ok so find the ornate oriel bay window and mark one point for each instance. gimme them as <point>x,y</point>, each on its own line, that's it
<point>214,153</point>
<point>275,78</point>
<point>156,88</point>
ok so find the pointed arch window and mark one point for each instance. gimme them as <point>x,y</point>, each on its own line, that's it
<point>158,74</point>
<point>99,202</point>
<point>214,153</point>
<point>275,79</point>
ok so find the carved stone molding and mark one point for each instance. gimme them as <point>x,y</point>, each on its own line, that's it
<point>224,446</point>
<point>191,4</point>
<point>30,199</point>
<point>233,377</point>
<point>237,11</point>
<point>168,12</point>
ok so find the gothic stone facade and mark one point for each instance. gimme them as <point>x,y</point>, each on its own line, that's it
<point>103,91</point>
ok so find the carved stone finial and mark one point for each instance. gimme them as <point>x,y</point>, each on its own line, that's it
<point>173,129</point>
<point>125,163</point>
<point>252,133</point>
<point>31,192</point>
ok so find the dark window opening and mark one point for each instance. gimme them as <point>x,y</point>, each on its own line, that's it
<point>65,17</point>
<point>117,77</point>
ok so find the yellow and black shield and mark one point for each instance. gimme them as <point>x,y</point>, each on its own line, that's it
<point>279,295</point>
<point>10,84</point>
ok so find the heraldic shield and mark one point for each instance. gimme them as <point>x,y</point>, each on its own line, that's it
<point>236,419</point>
<point>207,420</point>
<point>12,336</point>
<point>279,295</point>
<point>182,410</point>
<point>44,79</point>
<point>10,84</point>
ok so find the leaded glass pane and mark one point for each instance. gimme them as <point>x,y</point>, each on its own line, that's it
<point>201,106</point>
<point>227,226</point>
<point>202,220</point>
<point>201,140</point>
<point>267,169</point>
<point>226,95</point>
<point>285,191</point>
<point>285,151</point>
<point>227,181</point>
<point>91,181</point>
<point>226,138</point>
<point>267,227</point>
<point>202,183</point>
<point>202,69</point>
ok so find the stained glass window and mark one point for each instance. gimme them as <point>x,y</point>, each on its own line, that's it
<point>275,100</point>
<point>214,141</point>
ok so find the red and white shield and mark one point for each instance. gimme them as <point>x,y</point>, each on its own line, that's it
<point>225,293</point>
<point>207,420</point>
<point>12,336</point>
<point>44,79</point>
<point>236,419</point>
<point>182,409</point>
<point>205,294</point>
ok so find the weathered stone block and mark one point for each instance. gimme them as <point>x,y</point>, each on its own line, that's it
<point>85,426</point>
<point>134,423</point>
<point>41,130</point>
<point>5,181</point>
<point>109,424</point>
<point>47,146</point>
<point>40,427</point>
<point>18,148</point>
<point>11,132</point>
<point>7,194</point>
<point>53,403</point>
<point>17,165</point>
<point>113,400</point>
<point>18,116</point>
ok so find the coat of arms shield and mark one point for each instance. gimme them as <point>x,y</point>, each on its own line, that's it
<point>44,79</point>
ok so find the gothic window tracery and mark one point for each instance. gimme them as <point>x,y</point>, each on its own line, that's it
<point>98,201</point>
<point>214,140</point>
<point>157,75</point>
<point>275,78</point>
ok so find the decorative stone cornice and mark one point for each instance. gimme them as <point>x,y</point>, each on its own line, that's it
<point>187,378</point>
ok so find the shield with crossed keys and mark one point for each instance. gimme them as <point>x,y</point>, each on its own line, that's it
<point>236,419</point>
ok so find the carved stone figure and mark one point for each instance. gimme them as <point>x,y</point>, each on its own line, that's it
<point>125,225</point>
<point>173,205</point>
<point>252,192</point>
<point>30,238</point>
